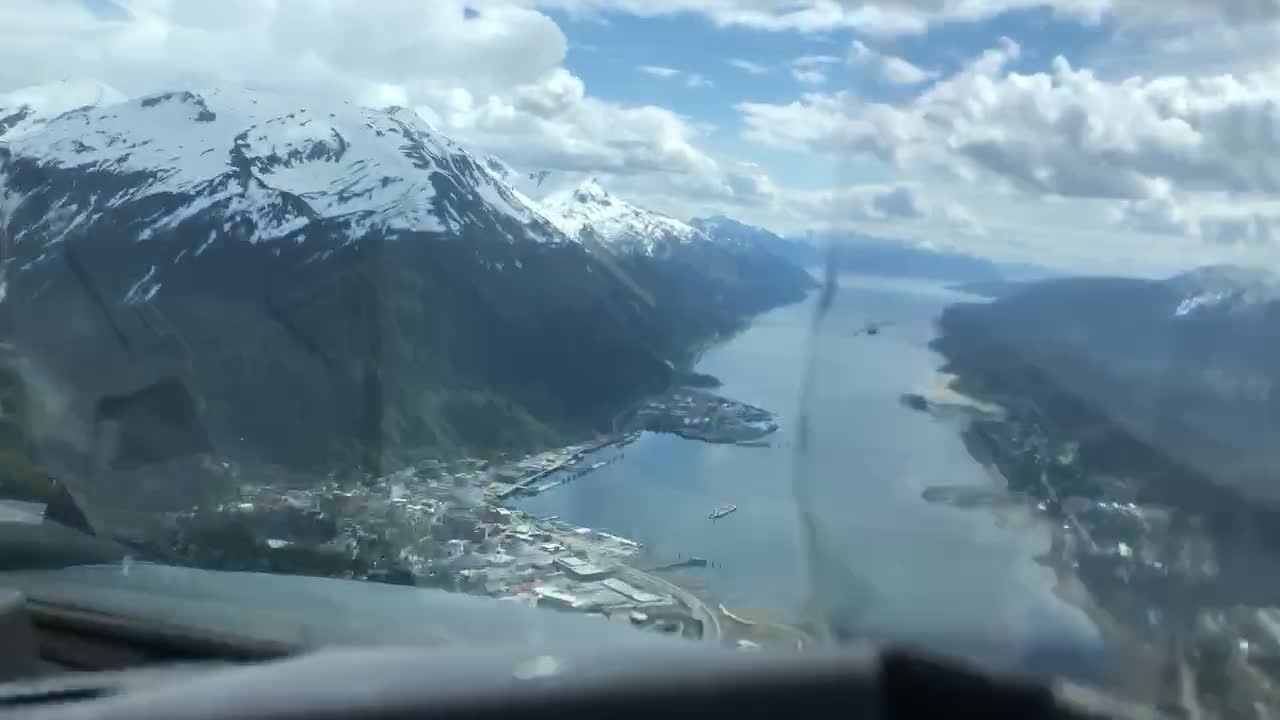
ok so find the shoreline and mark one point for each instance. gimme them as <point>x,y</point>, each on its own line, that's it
<point>1121,650</point>
<point>1139,544</point>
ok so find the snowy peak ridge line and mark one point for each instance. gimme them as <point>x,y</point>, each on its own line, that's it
<point>29,108</point>
<point>590,211</point>
<point>277,160</point>
<point>1224,286</point>
<point>732,233</point>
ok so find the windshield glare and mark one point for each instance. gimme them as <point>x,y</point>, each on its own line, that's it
<point>772,325</point>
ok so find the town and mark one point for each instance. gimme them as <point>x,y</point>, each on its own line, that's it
<point>449,525</point>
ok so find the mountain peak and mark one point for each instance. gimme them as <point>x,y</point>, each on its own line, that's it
<point>591,209</point>
<point>31,107</point>
<point>590,190</point>
<point>277,159</point>
<point>62,95</point>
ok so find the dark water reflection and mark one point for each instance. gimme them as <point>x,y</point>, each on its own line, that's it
<point>892,565</point>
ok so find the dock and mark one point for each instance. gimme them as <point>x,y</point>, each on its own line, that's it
<point>526,484</point>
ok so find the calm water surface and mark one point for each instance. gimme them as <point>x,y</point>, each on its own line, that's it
<point>888,562</point>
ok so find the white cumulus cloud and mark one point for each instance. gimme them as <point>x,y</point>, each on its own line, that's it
<point>889,68</point>
<point>658,71</point>
<point>1065,132</point>
<point>813,69</point>
<point>902,17</point>
<point>488,72</point>
<point>748,66</point>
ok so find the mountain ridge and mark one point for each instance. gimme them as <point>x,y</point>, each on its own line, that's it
<point>327,278</point>
<point>588,211</point>
<point>1188,364</point>
<point>341,287</point>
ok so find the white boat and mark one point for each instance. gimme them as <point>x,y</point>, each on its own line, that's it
<point>722,511</point>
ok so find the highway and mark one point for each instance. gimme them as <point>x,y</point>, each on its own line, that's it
<point>711,630</point>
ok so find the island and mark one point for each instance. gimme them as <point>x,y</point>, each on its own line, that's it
<point>698,415</point>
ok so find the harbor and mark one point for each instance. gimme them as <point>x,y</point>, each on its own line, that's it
<point>892,563</point>
<point>619,527</point>
<point>534,474</point>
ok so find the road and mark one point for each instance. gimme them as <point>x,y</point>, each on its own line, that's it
<point>711,630</point>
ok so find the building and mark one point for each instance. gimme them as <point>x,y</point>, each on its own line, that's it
<point>457,548</point>
<point>633,593</point>
<point>594,596</point>
<point>557,598</point>
<point>581,569</point>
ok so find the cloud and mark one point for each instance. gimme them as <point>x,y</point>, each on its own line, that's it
<point>1064,133</point>
<point>813,69</point>
<point>1229,225</point>
<point>492,77</point>
<point>749,67</point>
<point>882,17</point>
<point>658,71</point>
<point>890,68</point>
<point>1159,214</point>
<point>900,202</point>
<point>897,71</point>
<point>961,218</point>
<point>858,206</point>
<point>1250,230</point>
<point>889,18</point>
<point>809,76</point>
<point>815,60</point>
<point>693,80</point>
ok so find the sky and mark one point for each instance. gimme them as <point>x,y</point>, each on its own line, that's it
<point>1125,136</point>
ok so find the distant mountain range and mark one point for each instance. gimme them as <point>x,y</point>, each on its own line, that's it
<point>797,252</point>
<point>723,274</point>
<point>338,284</point>
<point>1188,365</point>
<point>874,256</point>
<point>863,254</point>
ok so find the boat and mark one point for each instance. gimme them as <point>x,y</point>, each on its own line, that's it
<point>722,511</point>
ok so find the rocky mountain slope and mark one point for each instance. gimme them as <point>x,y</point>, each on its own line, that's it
<point>337,285</point>
<point>675,265</point>
<point>28,109</point>
<point>1139,418</point>
<point>1191,365</point>
<point>862,254</point>
<point>590,212</point>
<point>796,252</point>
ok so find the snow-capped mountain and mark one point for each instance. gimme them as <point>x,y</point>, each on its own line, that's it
<point>337,283</point>
<point>265,159</point>
<point>733,233</point>
<point>303,264</point>
<point>1225,288</point>
<point>28,109</point>
<point>589,212</point>
<point>674,265</point>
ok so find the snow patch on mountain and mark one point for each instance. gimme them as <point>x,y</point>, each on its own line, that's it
<point>28,109</point>
<point>1224,286</point>
<point>144,290</point>
<point>589,211</point>
<point>273,160</point>
<point>1202,300</point>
